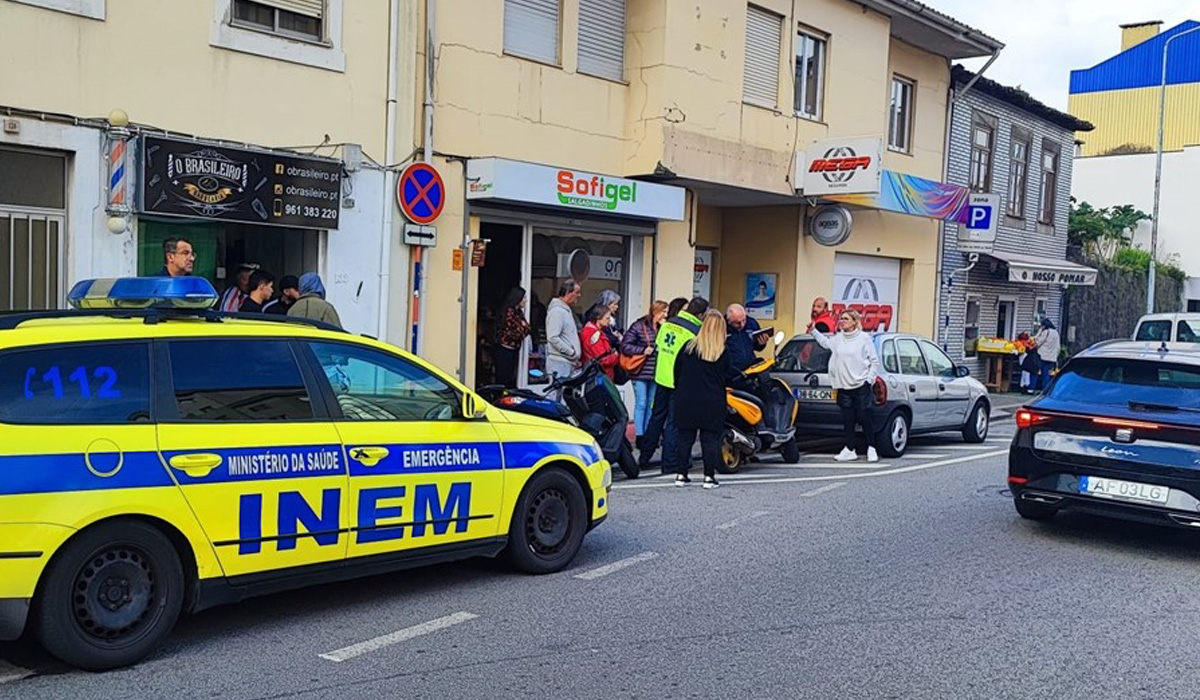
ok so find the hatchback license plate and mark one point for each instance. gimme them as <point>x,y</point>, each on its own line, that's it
<point>1123,490</point>
<point>816,394</point>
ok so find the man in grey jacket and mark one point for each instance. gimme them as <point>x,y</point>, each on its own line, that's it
<point>562,334</point>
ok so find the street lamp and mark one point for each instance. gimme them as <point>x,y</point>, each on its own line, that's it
<point>1162,115</point>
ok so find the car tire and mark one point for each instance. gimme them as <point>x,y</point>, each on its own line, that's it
<point>110,596</point>
<point>790,451</point>
<point>548,523</point>
<point>1033,511</point>
<point>892,441</point>
<point>978,423</point>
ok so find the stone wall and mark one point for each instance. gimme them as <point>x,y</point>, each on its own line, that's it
<point>1112,308</point>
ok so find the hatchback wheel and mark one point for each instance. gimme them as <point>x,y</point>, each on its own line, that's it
<point>978,423</point>
<point>548,524</point>
<point>892,441</point>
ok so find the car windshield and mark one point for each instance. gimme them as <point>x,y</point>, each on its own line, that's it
<point>1135,383</point>
<point>803,355</point>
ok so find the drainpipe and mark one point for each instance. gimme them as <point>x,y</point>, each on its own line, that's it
<point>389,208</point>
<point>953,97</point>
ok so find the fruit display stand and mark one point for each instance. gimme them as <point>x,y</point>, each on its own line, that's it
<point>1000,359</point>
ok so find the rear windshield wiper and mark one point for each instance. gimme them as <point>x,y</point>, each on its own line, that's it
<point>1143,406</point>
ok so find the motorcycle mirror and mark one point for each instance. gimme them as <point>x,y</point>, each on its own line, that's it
<point>779,338</point>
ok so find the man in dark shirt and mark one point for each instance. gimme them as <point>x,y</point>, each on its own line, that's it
<point>744,338</point>
<point>261,286</point>
<point>289,292</point>
<point>178,258</point>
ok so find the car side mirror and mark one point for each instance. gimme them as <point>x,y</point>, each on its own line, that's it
<point>962,371</point>
<point>470,407</point>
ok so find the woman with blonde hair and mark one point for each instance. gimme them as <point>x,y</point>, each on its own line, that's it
<point>701,370</point>
<point>853,368</point>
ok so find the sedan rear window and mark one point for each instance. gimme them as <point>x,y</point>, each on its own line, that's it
<point>1134,383</point>
<point>803,355</point>
<point>1154,331</point>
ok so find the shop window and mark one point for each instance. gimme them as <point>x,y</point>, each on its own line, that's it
<point>35,179</point>
<point>289,18</point>
<point>602,38</point>
<point>30,261</point>
<point>901,115</point>
<point>971,328</point>
<point>764,32</point>
<point>531,29</point>
<point>810,74</point>
<point>1018,174</point>
<point>983,140</point>
<point>1049,198</point>
<point>1040,310</point>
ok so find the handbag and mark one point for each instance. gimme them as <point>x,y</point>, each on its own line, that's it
<point>632,364</point>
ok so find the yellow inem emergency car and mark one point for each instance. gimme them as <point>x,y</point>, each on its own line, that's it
<point>155,461</point>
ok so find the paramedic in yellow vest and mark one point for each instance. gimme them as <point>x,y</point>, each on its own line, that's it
<point>673,334</point>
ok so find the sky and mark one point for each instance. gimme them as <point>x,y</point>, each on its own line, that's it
<point>1044,40</point>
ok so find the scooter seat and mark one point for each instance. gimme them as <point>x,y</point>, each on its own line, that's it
<point>747,396</point>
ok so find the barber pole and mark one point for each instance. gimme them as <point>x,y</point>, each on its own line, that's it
<point>118,183</point>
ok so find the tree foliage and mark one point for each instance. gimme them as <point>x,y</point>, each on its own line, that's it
<point>1102,232</point>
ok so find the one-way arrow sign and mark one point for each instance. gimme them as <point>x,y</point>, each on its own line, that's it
<point>415,234</point>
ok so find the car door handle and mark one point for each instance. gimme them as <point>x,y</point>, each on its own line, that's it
<point>912,388</point>
<point>368,456</point>
<point>196,465</point>
<point>941,387</point>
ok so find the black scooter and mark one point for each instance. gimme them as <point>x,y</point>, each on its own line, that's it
<point>589,401</point>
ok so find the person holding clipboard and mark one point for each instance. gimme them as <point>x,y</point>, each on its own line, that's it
<point>743,338</point>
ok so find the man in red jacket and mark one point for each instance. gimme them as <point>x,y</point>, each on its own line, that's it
<point>822,317</point>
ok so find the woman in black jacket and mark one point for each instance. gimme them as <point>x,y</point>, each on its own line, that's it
<point>701,370</point>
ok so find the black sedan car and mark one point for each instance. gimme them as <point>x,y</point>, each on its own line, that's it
<point>1117,433</point>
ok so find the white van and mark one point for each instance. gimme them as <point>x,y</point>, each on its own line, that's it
<point>1172,328</point>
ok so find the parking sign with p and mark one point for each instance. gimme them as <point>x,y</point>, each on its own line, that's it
<point>978,233</point>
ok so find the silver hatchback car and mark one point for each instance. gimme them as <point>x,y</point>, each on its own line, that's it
<point>923,391</point>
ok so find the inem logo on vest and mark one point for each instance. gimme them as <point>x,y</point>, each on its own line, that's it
<point>381,515</point>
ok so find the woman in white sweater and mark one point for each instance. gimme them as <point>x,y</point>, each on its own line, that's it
<point>853,368</point>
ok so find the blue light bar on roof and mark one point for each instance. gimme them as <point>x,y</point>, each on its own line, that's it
<point>143,293</point>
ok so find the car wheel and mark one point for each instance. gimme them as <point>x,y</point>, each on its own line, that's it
<point>1033,511</point>
<point>978,423</point>
<point>627,461</point>
<point>110,596</point>
<point>548,523</point>
<point>892,441</point>
<point>790,451</point>
<point>731,457</point>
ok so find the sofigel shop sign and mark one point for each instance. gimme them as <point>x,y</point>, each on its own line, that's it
<point>515,181</point>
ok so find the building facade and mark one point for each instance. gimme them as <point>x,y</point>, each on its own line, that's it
<point>1121,94</point>
<point>1003,142</point>
<point>564,116</point>
<point>257,129</point>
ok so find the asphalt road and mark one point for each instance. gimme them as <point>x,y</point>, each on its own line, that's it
<point>911,579</point>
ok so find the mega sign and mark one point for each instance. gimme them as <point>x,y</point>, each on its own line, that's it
<point>516,181</point>
<point>841,166</point>
<point>869,285</point>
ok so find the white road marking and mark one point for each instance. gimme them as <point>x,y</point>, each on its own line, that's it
<point>918,454</point>
<point>859,475</point>
<point>347,653</point>
<point>738,521</point>
<point>11,674</point>
<point>952,448</point>
<point>860,464</point>
<point>823,489</point>
<point>619,564</point>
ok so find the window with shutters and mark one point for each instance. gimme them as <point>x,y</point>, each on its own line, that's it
<point>602,38</point>
<point>531,29</point>
<point>308,32</point>
<point>764,34</point>
<point>293,18</point>
<point>810,74</point>
<point>901,114</point>
<point>1049,183</point>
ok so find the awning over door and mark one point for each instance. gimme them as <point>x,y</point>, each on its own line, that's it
<point>1033,269</point>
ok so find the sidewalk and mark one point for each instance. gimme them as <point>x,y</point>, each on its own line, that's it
<point>1004,405</point>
